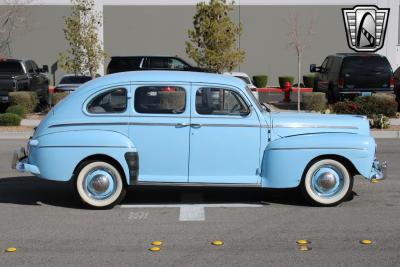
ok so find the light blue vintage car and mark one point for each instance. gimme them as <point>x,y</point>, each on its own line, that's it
<point>184,128</point>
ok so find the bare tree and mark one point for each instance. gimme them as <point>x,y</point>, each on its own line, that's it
<point>12,16</point>
<point>299,40</point>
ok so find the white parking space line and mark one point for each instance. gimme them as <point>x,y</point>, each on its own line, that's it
<point>192,213</point>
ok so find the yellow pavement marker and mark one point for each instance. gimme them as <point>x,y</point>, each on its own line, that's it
<point>303,242</point>
<point>374,181</point>
<point>366,242</point>
<point>157,243</point>
<point>154,249</point>
<point>217,243</point>
<point>11,249</point>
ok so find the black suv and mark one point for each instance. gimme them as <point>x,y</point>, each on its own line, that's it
<point>130,63</point>
<point>346,75</point>
<point>23,75</point>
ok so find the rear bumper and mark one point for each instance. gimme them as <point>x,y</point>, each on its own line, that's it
<point>20,163</point>
<point>378,171</point>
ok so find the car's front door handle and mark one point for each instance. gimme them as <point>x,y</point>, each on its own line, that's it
<point>195,125</point>
<point>180,125</point>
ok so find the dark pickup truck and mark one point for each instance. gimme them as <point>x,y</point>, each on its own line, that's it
<point>23,75</point>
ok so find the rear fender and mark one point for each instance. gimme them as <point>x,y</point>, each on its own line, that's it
<point>58,154</point>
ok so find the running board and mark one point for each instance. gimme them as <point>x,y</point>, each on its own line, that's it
<point>195,184</point>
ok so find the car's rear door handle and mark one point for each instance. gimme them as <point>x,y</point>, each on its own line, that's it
<point>180,125</point>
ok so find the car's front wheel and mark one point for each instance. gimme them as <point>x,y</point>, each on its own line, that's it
<point>327,182</point>
<point>99,184</point>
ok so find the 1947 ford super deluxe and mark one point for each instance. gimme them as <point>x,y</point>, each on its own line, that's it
<point>186,128</point>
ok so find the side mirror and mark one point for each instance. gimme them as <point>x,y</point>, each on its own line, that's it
<point>313,68</point>
<point>45,68</point>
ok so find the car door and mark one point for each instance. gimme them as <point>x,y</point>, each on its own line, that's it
<point>224,137</point>
<point>323,82</point>
<point>159,128</point>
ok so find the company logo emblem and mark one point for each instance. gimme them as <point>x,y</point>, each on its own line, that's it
<point>365,27</point>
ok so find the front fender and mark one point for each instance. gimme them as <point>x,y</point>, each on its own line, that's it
<point>285,159</point>
<point>58,154</point>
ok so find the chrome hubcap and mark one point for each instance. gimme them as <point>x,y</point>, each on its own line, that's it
<point>100,183</point>
<point>327,181</point>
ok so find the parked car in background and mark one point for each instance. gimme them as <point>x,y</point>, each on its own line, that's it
<point>244,77</point>
<point>141,128</point>
<point>70,82</point>
<point>131,63</point>
<point>346,75</point>
<point>23,75</point>
<point>396,76</point>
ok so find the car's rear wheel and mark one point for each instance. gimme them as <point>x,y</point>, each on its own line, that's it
<point>99,184</point>
<point>327,182</point>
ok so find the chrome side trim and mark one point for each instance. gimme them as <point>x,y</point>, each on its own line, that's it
<point>314,126</point>
<point>149,124</point>
<point>300,148</point>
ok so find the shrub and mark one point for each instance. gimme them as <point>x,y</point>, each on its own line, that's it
<point>377,104</point>
<point>28,100</point>
<point>379,121</point>
<point>314,101</point>
<point>260,81</point>
<point>283,79</point>
<point>346,107</point>
<point>57,97</point>
<point>308,80</point>
<point>9,119</point>
<point>384,104</point>
<point>18,110</point>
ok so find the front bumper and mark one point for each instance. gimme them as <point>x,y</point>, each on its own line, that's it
<point>20,163</point>
<point>378,171</point>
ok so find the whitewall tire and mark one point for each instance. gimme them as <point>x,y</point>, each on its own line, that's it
<point>99,184</point>
<point>327,182</point>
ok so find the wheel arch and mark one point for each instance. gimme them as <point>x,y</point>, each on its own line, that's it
<point>105,158</point>
<point>341,159</point>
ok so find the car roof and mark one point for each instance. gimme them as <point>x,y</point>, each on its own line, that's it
<point>357,55</point>
<point>140,56</point>
<point>165,76</point>
<point>241,74</point>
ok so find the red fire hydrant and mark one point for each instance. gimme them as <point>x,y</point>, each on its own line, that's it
<point>287,88</point>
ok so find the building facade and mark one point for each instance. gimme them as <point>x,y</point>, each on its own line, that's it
<point>137,27</point>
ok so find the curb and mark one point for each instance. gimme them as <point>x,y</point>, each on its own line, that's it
<point>25,135</point>
<point>15,135</point>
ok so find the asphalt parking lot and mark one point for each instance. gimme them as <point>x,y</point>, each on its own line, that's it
<point>46,223</point>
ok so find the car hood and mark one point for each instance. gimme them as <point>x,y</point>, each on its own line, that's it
<point>293,123</point>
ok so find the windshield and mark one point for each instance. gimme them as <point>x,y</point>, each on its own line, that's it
<point>368,64</point>
<point>250,93</point>
<point>75,79</point>
<point>10,67</point>
<point>245,79</point>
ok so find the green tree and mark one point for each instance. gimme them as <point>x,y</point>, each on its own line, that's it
<point>212,42</point>
<point>85,52</point>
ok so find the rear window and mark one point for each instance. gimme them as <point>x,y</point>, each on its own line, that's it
<point>10,67</point>
<point>366,64</point>
<point>123,64</point>
<point>75,79</point>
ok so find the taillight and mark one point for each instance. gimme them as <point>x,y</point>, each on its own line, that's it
<point>392,82</point>
<point>340,83</point>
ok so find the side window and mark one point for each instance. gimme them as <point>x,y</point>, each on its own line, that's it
<point>113,101</point>
<point>176,64</point>
<point>323,65</point>
<point>160,99</point>
<point>217,101</point>
<point>157,62</point>
<point>29,67</point>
